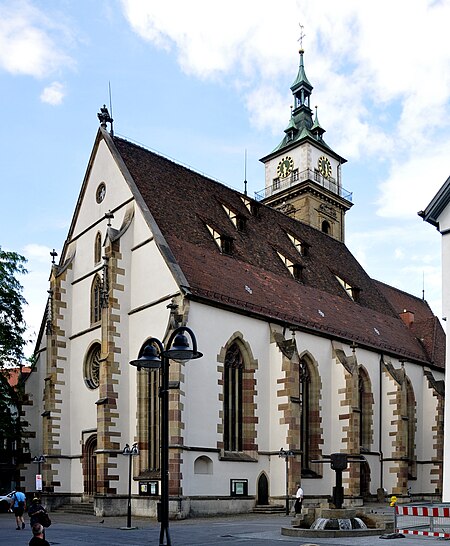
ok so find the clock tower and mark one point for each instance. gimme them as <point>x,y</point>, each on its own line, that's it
<point>303,174</point>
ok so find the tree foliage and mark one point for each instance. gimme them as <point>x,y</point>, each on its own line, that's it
<point>12,323</point>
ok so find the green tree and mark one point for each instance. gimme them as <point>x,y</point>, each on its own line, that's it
<point>12,323</point>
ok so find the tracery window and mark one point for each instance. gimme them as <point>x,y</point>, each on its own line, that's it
<point>233,372</point>
<point>92,367</point>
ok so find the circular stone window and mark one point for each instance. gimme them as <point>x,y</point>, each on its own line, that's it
<point>100,193</point>
<point>92,367</point>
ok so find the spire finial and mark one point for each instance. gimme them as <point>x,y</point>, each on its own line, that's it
<point>302,35</point>
<point>245,173</point>
<point>53,254</point>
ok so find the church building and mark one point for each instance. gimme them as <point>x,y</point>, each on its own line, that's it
<point>304,355</point>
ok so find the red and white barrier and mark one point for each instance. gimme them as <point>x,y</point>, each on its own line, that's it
<point>414,527</point>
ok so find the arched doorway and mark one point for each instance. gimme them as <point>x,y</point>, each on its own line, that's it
<point>263,490</point>
<point>364,486</point>
<point>90,466</point>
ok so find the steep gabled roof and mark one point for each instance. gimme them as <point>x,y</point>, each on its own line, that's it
<point>251,278</point>
<point>425,325</point>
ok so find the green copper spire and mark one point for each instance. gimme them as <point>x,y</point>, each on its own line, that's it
<point>301,79</point>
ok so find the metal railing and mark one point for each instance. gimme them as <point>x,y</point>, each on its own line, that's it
<point>297,178</point>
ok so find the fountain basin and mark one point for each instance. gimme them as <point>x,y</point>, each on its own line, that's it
<point>333,523</point>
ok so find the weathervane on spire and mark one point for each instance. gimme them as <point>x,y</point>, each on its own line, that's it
<point>302,35</point>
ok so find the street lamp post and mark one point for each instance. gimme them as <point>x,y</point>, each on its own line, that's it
<point>130,452</point>
<point>156,356</point>
<point>285,455</point>
<point>39,460</point>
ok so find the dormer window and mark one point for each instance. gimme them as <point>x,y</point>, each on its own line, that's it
<point>224,242</point>
<point>237,219</point>
<point>251,205</point>
<point>352,291</point>
<point>299,245</point>
<point>295,269</point>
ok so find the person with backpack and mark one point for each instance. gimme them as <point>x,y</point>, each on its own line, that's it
<point>19,507</point>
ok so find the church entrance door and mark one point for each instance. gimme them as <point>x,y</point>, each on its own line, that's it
<point>90,466</point>
<point>263,490</point>
<point>364,479</point>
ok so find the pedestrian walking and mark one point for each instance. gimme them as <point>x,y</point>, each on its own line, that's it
<point>19,507</point>
<point>36,512</point>
<point>38,536</point>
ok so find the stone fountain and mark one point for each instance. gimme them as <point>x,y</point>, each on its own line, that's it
<point>337,521</point>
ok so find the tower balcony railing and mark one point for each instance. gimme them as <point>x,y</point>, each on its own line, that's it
<point>295,178</point>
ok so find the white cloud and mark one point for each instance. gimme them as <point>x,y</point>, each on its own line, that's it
<point>38,253</point>
<point>53,94</point>
<point>411,185</point>
<point>29,40</point>
<point>378,75</point>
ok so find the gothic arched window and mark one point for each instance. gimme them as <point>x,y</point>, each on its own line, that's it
<point>96,293</point>
<point>365,406</point>
<point>410,429</point>
<point>233,386</point>
<point>98,248</point>
<point>305,417</point>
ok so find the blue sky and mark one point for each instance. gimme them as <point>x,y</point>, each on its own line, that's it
<point>201,82</point>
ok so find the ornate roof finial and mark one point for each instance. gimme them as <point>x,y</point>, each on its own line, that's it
<point>53,254</point>
<point>104,117</point>
<point>302,35</point>
<point>109,215</point>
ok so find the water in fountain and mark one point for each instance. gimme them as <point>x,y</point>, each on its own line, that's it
<point>341,524</point>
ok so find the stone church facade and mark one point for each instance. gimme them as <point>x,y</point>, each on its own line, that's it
<point>302,350</point>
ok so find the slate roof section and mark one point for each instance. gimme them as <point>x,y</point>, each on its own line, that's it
<point>426,326</point>
<point>253,279</point>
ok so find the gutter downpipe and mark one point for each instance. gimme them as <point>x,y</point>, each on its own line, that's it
<point>380,439</point>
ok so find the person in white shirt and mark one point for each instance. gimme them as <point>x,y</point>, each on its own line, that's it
<point>298,500</point>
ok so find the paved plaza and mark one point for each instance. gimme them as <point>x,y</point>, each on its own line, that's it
<point>77,530</point>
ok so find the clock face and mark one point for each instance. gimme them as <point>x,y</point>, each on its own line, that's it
<point>285,167</point>
<point>324,166</point>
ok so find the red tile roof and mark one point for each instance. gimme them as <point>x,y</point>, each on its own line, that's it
<point>253,279</point>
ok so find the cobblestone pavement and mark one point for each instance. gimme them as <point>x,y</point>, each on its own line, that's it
<point>76,530</point>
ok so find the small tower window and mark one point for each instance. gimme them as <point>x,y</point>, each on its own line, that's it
<point>276,184</point>
<point>326,227</point>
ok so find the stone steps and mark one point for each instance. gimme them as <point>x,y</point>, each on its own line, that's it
<point>84,508</point>
<point>269,509</point>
